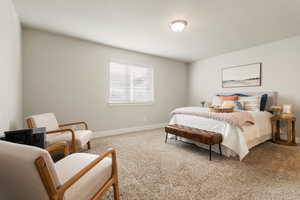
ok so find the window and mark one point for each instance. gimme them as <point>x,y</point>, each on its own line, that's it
<point>130,84</point>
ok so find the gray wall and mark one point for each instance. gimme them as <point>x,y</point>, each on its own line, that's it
<point>10,68</point>
<point>280,72</point>
<point>68,76</point>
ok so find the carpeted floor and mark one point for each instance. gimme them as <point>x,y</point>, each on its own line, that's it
<point>150,169</point>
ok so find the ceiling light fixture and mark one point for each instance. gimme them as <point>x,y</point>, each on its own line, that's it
<point>178,25</point>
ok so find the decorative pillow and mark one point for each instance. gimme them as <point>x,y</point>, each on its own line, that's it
<point>228,104</point>
<point>263,102</point>
<point>240,95</point>
<point>235,94</point>
<point>251,103</point>
<point>237,105</point>
<point>228,98</point>
<point>216,101</point>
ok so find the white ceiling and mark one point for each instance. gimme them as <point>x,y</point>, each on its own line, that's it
<point>215,26</point>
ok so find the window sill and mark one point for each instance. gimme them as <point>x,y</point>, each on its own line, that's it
<point>131,104</point>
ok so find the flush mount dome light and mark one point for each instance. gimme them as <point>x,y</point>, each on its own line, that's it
<point>178,25</point>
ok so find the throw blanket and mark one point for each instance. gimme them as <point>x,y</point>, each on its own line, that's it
<point>238,119</point>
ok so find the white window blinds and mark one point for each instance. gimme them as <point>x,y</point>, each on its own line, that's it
<point>130,84</point>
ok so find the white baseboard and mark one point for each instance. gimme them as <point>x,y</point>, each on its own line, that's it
<point>98,134</point>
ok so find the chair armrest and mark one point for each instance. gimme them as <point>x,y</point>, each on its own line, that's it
<point>66,130</point>
<point>58,146</point>
<point>75,123</point>
<point>61,130</point>
<point>87,168</point>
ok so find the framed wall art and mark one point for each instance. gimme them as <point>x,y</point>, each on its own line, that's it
<point>242,76</point>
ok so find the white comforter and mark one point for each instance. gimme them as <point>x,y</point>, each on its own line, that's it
<point>233,138</point>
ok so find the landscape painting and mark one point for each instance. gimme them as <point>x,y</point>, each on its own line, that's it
<point>242,76</point>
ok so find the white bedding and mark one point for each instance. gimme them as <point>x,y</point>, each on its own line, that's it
<point>237,142</point>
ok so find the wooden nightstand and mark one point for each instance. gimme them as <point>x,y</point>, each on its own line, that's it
<point>291,132</point>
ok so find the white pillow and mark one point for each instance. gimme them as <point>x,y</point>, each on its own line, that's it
<point>251,103</point>
<point>228,104</point>
<point>216,101</point>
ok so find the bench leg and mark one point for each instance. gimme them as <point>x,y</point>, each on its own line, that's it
<point>210,152</point>
<point>220,149</point>
<point>166,138</point>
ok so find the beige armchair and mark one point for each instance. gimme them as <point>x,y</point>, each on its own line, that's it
<point>56,133</point>
<point>28,172</point>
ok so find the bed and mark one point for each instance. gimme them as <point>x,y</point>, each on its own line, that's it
<point>236,141</point>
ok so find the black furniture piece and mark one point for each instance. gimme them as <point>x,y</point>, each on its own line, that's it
<point>32,136</point>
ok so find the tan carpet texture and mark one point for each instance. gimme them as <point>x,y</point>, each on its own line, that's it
<point>149,169</point>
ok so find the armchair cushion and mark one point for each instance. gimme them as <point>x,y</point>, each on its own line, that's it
<point>81,136</point>
<point>47,120</point>
<point>87,186</point>
<point>19,176</point>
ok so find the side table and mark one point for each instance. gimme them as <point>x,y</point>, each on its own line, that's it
<point>291,131</point>
<point>32,136</point>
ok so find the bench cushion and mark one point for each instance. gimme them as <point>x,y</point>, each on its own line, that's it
<point>198,135</point>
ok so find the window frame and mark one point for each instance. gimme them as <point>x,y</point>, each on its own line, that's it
<point>129,103</point>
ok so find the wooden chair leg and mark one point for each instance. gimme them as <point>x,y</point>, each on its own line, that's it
<point>116,191</point>
<point>73,148</point>
<point>89,145</point>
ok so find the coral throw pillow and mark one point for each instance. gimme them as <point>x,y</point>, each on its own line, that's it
<point>228,98</point>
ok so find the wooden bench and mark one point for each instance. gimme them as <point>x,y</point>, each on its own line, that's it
<point>198,135</point>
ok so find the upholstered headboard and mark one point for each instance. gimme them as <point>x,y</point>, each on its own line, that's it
<point>272,96</point>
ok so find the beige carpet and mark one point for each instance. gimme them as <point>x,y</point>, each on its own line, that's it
<point>150,169</point>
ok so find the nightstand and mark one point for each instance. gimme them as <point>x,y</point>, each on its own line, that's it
<point>291,131</point>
